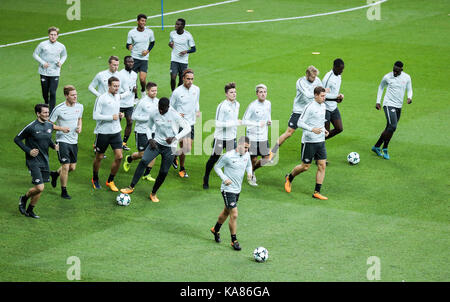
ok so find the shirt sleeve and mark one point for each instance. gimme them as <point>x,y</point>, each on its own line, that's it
<point>303,119</point>
<point>246,120</point>
<point>20,137</point>
<point>36,54</point>
<point>380,89</point>
<point>96,114</point>
<point>191,42</point>
<point>197,105</point>
<point>219,165</point>
<point>63,55</point>
<point>183,124</point>
<point>54,115</point>
<point>220,119</point>
<point>304,90</point>
<point>95,82</point>
<point>249,167</point>
<point>139,114</point>
<point>409,90</point>
<point>129,38</point>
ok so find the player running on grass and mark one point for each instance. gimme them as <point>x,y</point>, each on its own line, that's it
<point>235,163</point>
<point>312,122</point>
<point>396,82</point>
<point>142,132</point>
<point>167,122</point>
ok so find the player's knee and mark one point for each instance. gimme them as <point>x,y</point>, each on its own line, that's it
<point>306,167</point>
<point>118,157</point>
<point>391,128</point>
<point>72,168</point>
<point>40,188</point>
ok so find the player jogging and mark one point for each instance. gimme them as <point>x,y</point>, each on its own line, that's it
<point>396,83</point>
<point>167,122</point>
<point>182,44</point>
<point>235,163</point>
<point>312,122</point>
<point>333,80</point>
<point>67,114</point>
<point>185,100</point>
<point>142,132</point>
<point>50,54</point>
<point>257,117</point>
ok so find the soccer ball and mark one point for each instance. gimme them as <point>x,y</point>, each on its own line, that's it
<point>260,254</point>
<point>353,158</point>
<point>123,199</point>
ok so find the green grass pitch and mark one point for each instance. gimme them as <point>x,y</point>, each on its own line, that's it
<point>397,210</point>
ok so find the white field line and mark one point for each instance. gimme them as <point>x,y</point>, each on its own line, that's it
<point>118,23</point>
<point>274,20</point>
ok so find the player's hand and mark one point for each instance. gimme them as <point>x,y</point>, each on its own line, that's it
<point>59,64</point>
<point>326,133</point>
<point>171,44</point>
<point>269,123</point>
<point>378,106</point>
<point>409,101</point>
<point>65,129</point>
<point>152,144</point>
<point>316,130</point>
<point>182,114</point>
<point>182,53</point>
<point>46,65</point>
<point>169,140</point>
<point>130,47</point>
<point>197,114</point>
<point>57,147</point>
<point>78,130</point>
<point>145,52</point>
<point>34,152</point>
<point>121,114</point>
<point>327,90</point>
<point>340,98</point>
<point>227,182</point>
<point>134,89</point>
<point>115,117</point>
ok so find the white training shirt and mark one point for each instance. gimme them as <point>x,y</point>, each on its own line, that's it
<point>141,115</point>
<point>168,125</point>
<point>181,43</point>
<point>313,117</point>
<point>332,81</point>
<point>127,83</point>
<point>140,41</point>
<point>256,112</point>
<point>51,53</point>
<point>100,82</point>
<point>305,93</point>
<point>395,91</point>
<point>186,101</point>
<point>67,116</point>
<point>226,120</point>
<point>234,165</point>
<point>105,107</point>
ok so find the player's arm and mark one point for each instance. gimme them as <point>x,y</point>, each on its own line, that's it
<point>303,122</point>
<point>95,83</point>
<point>36,56</point>
<point>129,41</point>
<point>409,91</point>
<point>19,142</point>
<point>249,167</point>
<point>221,122</point>
<point>182,123</point>
<point>247,118</point>
<point>304,90</point>
<point>63,56</point>
<point>139,113</point>
<point>380,92</point>
<point>60,128</point>
<point>98,116</point>
<point>197,104</point>
<point>79,125</point>
<point>218,169</point>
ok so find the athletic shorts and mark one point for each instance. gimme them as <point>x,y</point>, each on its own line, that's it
<point>102,141</point>
<point>39,175</point>
<point>140,65</point>
<point>127,111</point>
<point>191,135</point>
<point>230,199</point>
<point>294,120</point>
<point>218,145</point>
<point>177,68</point>
<point>332,115</point>
<point>142,141</point>
<point>313,151</point>
<point>259,148</point>
<point>392,116</point>
<point>67,153</point>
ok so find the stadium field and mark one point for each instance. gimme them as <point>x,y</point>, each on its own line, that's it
<point>396,210</point>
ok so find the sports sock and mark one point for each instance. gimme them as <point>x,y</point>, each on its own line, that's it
<point>125,138</point>
<point>147,171</point>
<point>63,189</point>
<point>111,178</point>
<point>30,208</point>
<point>233,238</point>
<point>291,177</point>
<point>318,186</point>
<point>95,175</point>
<point>217,227</point>
<point>182,168</point>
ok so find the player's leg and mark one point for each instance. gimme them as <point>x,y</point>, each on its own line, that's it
<point>35,195</point>
<point>306,157</point>
<point>336,120</point>
<point>186,147</point>
<point>394,114</point>
<point>217,151</point>
<point>101,144</point>
<point>45,86</point>
<point>166,161</point>
<point>215,230</point>
<point>128,112</point>
<point>173,75</point>
<point>320,155</point>
<point>232,200</point>
<point>263,151</point>
<point>115,165</point>
<point>53,85</point>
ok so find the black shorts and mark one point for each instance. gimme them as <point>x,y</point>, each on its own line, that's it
<point>39,175</point>
<point>294,120</point>
<point>259,148</point>
<point>142,141</point>
<point>218,146</point>
<point>177,68</point>
<point>127,111</point>
<point>313,151</point>
<point>392,117</point>
<point>140,65</point>
<point>230,199</point>
<point>332,115</point>
<point>67,153</point>
<point>102,141</point>
<point>191,135</point>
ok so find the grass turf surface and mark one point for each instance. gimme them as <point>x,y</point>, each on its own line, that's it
<point>396,210</point>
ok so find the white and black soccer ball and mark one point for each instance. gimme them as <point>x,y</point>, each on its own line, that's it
<point>260,254</point>
<point>353,158</point>
<point>123,199</point>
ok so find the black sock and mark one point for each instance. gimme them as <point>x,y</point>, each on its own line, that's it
<point>111,178</point>
<point>129,159</point>
<point>95,175</point>
<point>386,144</point>
<point>30,208</point>
<point>55,173</point>
<point>379,142</point>
<point>233,238</point>
<point>125,138</point>
<point>318,186</point>
<point>63,189</point>
<point>182,168</point>
<point>23,200</point>
<point>217,227</point>
<point>291,177</point>
<point>147,171</point>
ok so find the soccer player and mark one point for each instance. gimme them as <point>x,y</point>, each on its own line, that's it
<point>140,42</point>
<point>38,138</point>
<point>182,44</point>
<point>142,132</point>
<point>226,128</point>
<point>257,117</point>
<point>67,114</point>
<point>396,82</point>
<point>312,122</point>
<point>333,80</point>
<point>107,130</point>
<point>185,100</point>
<point>167,122</point>
<point>50,54</point>
<point>99,84</point>
<point>305,95</point>
<point>127,79</point>
<point>235,163</point>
